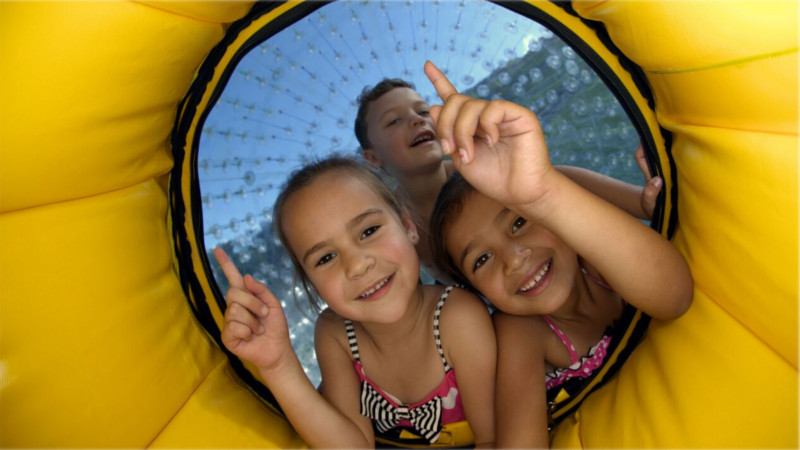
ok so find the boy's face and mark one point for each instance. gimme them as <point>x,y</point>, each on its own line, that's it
<point>401,133</point>
<point>522,268</point>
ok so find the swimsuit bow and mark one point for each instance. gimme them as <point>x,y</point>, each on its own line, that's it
<point>426,419</point>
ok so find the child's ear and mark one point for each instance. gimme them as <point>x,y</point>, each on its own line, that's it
<point>372,158</point>
<point>411,228</point>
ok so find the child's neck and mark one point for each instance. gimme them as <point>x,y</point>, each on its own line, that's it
<point>423,188</point>
<point>587,302</point>
<point>385,335</point>
<point>580,304</point>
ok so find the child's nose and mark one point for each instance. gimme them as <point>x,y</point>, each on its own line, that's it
<point>416,119</point>
<point>358,263</point>
<point>515,257</point>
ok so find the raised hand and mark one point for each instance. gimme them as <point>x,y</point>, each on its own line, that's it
<point>498,146</point>
<point>254,326</point>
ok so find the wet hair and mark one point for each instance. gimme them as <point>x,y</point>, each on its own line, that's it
<point>306,175</point>
<point>369,95</point>
<point>449,204</point>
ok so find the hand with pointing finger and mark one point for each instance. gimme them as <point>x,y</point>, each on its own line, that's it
<point>254,326</point>
<point>498,146</point>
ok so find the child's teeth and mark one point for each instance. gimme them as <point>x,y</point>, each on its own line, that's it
<point>421,139</point>
<point>536,278</point>
<point>374,288</point>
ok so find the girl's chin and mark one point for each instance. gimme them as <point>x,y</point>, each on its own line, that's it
<point>523,310</point>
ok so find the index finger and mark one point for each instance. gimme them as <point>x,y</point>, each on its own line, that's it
<point>229,268</point>
<point>440,82</point>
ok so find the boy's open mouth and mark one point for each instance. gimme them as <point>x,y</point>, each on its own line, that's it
<point>421,138</point>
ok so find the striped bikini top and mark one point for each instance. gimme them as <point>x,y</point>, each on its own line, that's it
<point>442,406</point>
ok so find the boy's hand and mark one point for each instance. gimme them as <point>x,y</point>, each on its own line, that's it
<point>652,184</point>
<point>497,146</point>
<point>254,326</point>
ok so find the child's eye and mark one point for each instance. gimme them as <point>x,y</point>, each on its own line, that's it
<point>392,122</point>
<point>481,260</point>
<point>326,258</point>
<point>424,113</point>
<point>519,222</point>
<point>369,231</point>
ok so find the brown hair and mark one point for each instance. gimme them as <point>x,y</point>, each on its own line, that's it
<point>449,205</point>
<point>302,178</point>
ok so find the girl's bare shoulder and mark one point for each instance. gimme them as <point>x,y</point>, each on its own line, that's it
<point>461,307</point>
<point>330,326</point>
<point>529,326</point>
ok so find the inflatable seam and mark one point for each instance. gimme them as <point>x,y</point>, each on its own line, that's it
<point>734,62</point>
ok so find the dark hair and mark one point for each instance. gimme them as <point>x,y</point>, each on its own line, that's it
<point>302,178</point>
<point>449,205</point>
<point>369,95</point>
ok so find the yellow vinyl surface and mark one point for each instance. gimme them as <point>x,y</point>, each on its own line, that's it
<point>98,343</point>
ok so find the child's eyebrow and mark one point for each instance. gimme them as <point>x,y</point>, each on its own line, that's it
<point>422,103</point>
<point>498,219</point>
<point>354,222</point>
<point>466,251</point>
<point>417,104</point>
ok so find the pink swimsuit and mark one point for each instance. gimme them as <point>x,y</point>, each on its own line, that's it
<point>581,367</point>
<point>442,406</point>
<point>568,387</point>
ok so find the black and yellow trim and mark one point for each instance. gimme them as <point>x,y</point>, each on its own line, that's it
<point>587,38</point>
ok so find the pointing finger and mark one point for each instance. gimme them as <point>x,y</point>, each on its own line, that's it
<point>440,82</point>
<point>229,268</point>
<point>262,292</point>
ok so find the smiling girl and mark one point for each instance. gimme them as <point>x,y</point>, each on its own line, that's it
<point>388,347</point>
<point>560,264</point>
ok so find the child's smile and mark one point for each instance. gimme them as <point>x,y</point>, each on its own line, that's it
<point>377,291</point>
<point>354,248</point>
<point>537,280</point>
<point>510,260</point>
<point>424,137</point>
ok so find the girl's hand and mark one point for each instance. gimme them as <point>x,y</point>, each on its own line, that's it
<point>498,146</point>
<point>254,326</point>
<point>652,184</point>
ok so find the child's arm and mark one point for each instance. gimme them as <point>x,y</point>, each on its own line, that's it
<point>341,386</point>
<point>521,401</point>
<point>499,148</point>
<point>638,201</point>
<point>639,264</point>
<point>469,341</point>
<point>255,329</point>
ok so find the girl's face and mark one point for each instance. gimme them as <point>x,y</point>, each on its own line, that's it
<point>401,132</point>
<point>355,250</point>
<point>522,268</point>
